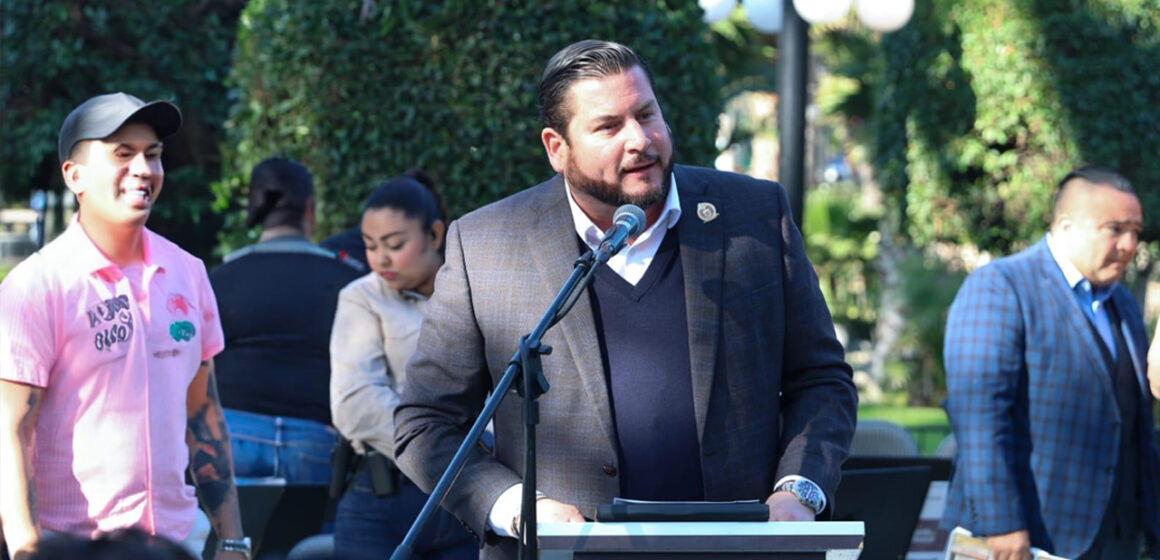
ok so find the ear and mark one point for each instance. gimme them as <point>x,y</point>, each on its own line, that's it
<point>71,171</point>
<point>438,233</point>
<point>556,146</point>
<point>1064,223</point>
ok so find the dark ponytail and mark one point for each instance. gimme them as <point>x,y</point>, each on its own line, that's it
<point>279,189</point>
<point>413,194</point>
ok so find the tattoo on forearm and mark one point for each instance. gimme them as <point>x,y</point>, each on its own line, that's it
<point>28,428</point>
<point>220,498</point>
<point>27,422</point>
<point>33,510</point>
<point>209,447</point>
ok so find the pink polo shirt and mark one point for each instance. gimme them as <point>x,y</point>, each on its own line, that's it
<point>116,357</point>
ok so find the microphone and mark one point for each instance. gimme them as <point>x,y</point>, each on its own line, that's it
<point>627,222</point>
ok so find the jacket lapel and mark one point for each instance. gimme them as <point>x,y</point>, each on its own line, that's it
<point>1075,315</point>
<point>702,258</point>
<point>553,251</point>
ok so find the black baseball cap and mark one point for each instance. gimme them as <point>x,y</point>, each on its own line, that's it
<point>102,115</point>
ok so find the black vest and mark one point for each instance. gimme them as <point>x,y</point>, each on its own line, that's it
<point>644,348</point>
<point>1125,505</point>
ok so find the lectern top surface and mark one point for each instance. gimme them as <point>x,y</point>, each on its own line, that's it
<point>779,528</point>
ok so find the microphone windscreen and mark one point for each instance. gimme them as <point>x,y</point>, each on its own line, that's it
<point>633,215</point>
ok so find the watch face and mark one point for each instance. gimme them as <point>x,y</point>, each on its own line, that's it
<point>807,493</point>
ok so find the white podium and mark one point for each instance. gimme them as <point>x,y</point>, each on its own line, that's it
<point>819,540</point>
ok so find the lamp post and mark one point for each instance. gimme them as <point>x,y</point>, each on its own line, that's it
<point>793,46</point>
<point>789,19</point>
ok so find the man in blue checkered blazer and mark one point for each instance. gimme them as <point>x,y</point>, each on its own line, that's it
<point>1047,396</point>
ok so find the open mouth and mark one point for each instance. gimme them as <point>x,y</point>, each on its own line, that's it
<point>140,193</point>
<point>640,166</point>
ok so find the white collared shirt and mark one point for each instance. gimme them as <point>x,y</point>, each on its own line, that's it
<point>1090,299</point>
<point>632,262</point>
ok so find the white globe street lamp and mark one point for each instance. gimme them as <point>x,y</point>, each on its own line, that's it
<point>884,15</point>
<point>788,19</point>
<point>767,16</point>
<point>822,11</point>
<point>716,10</point>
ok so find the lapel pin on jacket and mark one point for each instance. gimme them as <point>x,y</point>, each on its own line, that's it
<point>707,212</point>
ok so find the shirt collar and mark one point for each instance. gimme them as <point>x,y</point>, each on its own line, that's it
<point>90,260</point>
<point>1073,276</point>
<point>409,296</point>
<point>587,230</point>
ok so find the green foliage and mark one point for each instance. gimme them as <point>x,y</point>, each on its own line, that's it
<point>928,291</point>
<point>981,106</point>
<point>361,91</point>
<point>842,242</point>
<point>747,56</point>
<point>57,53</point>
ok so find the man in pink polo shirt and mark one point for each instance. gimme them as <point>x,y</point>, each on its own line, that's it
<point>107,338</point>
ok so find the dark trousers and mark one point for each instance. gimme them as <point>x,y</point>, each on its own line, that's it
<point>366,526</point>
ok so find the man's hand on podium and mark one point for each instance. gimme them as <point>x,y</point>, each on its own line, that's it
<point>551,511</point>
<point>785,506</point>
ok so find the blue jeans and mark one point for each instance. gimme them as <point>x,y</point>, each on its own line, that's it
<point>369,527</point>
<point>275,446</point>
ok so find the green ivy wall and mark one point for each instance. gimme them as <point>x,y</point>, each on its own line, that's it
<point>361,91</point>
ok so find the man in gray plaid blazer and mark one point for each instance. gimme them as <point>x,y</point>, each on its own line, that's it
<point>701,364</point>
<point>1045,374</point>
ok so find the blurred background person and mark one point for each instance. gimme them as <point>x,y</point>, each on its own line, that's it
<point>348,245</point>
<point>277,300</point>
<point>122,544</point>
<point>1045,388</point>
<point>375,332</point>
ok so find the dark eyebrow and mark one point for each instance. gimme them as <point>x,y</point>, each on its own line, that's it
<point>126,145</point>
<point>384,237</point>
<point>1124,223</point>
<point>605,119</point>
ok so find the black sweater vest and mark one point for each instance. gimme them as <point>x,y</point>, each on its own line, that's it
<point>644,348</point>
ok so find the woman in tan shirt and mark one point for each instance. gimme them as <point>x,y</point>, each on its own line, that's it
<point>375,331</point>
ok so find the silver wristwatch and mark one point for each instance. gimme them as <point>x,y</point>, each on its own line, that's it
<point>236,545</point>
<point>807,492</point>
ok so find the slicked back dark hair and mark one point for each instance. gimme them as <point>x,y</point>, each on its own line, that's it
<point>1095,175</point>
<point>581,61</point>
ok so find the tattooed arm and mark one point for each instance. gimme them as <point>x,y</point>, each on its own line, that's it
<point>19,409</point>
<point>210,460</point>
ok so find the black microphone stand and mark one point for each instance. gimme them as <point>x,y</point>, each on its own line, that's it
<point>524,365</point>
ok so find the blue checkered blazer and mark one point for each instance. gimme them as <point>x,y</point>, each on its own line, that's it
<point>1032,406</point>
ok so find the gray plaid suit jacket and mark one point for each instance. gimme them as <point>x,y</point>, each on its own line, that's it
<point>762,349</point>
<point>1033,409</point>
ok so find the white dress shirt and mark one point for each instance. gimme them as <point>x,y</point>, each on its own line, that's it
<point>632,262</point>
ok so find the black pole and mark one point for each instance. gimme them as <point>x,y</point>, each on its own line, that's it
<point>792,52</point>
